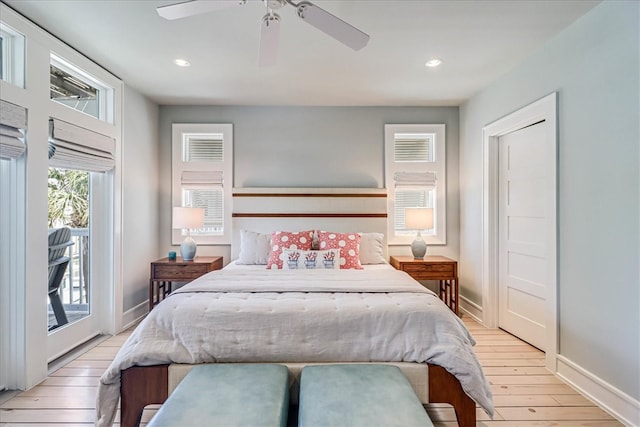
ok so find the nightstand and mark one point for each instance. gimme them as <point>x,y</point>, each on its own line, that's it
<point>433,267</point>
<point>164,272</point>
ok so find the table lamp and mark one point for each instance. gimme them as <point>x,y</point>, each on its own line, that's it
<point>189,218</point>
<point>418,219</point>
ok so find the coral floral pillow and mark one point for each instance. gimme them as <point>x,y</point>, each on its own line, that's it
<point>287,240</point>
<point>349,245</point>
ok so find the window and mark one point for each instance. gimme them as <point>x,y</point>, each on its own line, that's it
<point>415,177</point>
<point>202,178</point>
<point>70,86</point>
<point>11,55</point>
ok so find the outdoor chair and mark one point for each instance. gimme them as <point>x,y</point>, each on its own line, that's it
<point>59,241</point>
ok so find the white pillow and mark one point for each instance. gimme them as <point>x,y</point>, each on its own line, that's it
<point>371,248</point>
<point>328,259</point>
<point>254,248</point>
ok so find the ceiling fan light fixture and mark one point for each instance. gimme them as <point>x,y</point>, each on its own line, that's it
<point>269,35</point>
<point>432,63</point>
<point>182,62</point>
<point>332,25</point>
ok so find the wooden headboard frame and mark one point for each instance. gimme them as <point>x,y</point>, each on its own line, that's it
<point>265,210</point>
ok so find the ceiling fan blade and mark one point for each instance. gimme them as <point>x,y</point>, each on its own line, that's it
<point>269,36</point>
<point>195,7</point>
<point>332,25</point>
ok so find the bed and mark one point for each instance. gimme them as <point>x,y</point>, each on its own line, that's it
<point>296,317</point>
<point>248,313</point>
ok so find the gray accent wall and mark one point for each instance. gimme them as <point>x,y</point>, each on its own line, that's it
<point>594,67</point>
<point>310,147</point>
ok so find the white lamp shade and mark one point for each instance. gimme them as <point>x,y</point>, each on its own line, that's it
<point>189,218</point>
<point>418,218</point>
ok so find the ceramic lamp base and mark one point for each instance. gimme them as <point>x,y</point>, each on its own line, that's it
<point>418,247</point>
<point>188,249</point>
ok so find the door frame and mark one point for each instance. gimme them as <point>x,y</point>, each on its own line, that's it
<point>543,109</point>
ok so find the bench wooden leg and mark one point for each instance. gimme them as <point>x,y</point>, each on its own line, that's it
<point>141,386</point>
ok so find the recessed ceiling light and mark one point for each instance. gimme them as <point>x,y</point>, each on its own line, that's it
<point>182,62</point>
<point>433,62</point>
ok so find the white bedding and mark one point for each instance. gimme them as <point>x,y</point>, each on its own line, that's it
<point>259,315</point>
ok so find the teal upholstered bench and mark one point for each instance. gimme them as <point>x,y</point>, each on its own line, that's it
<point>358,395</point>
<point>228,395</point>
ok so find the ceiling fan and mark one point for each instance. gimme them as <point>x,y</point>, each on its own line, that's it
<point>270,27</point>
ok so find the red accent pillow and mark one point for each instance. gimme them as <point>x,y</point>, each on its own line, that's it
<point>349,245</point>
<point>287,240</point>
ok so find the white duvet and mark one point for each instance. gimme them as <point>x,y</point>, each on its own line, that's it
<point>299,316</point>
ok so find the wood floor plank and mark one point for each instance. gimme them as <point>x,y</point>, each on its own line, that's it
<point>77,381</point>
<point>100,353</point>
<point>519,379</point>
<point>572,400</point>
<point>509,355</point>
<point>591,413</point>
<point>523,400</point>
<point>512,362</point>
<point>505,348</point>
<point>51,402</point>
<point>104,364</point>
<point>42,391</point>
<point>78,372</point>
<point>555,389</point>
<point>446,413</point>
<point>515,370</point>
<point>50,424</point>
<point>47,415</point>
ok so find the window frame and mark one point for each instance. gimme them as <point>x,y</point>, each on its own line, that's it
<point>225,167</point>
<point>437,236</point>
<point>13,55</point>
<point>105,101</point>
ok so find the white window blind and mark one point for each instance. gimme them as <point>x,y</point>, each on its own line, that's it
<point>201,178</point>
<point>412,190</point>
<point>203,148</point>
<point>426,180</point>
<point>212,201</point>
<point>13,124</point>
<point>413,147</point>
<point>204,189</point>
<point>73,147</point>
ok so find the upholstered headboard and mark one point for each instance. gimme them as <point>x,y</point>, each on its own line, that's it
<point>293,209</point>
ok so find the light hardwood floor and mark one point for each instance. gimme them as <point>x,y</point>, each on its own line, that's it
<point>525,393</point>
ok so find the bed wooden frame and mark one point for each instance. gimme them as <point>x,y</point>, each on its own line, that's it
<point>147,385</point>
<point>267,209</point>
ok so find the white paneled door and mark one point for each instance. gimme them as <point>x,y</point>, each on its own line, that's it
<point>523,220</point>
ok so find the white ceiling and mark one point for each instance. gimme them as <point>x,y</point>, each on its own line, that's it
<point>477,40</point>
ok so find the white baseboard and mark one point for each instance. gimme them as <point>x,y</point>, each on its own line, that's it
<point>472,309</point>
<point>616,402</point>
<point>134,315</point>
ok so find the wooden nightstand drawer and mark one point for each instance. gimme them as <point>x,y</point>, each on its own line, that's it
<point>429,271</point>
<point>179,272</point>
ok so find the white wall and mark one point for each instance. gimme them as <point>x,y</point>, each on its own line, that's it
<point>594,66</point>
<point>140,201</point>
<point>310,147</point>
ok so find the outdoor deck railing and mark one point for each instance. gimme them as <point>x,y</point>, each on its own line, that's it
<point>74,289</point>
